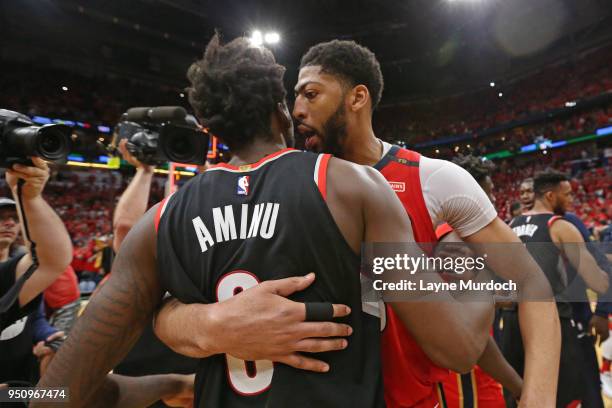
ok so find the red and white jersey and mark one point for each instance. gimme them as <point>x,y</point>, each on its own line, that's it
<point>432,191</point>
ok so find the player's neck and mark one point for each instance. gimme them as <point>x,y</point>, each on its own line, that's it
<point>362,147</point>
<point>255,151</point>
<point>4,252</point>
<point>539,207</point>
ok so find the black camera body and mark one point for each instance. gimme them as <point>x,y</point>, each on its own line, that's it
<point>162,134</point>
<point>21,139</point>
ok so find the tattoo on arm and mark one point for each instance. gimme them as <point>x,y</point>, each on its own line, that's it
<point>111,324</point>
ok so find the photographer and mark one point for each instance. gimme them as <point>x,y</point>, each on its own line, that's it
<point>54,253</point>
<point>45,229</point>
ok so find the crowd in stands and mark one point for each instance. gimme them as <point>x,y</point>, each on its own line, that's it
<point>582,78</point>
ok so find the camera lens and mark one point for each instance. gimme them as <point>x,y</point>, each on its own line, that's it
<point>53,142</point>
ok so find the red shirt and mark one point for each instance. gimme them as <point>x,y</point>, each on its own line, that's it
<point>63,291</point>
<point>410,377</point>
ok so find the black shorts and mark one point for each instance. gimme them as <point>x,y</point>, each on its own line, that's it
<point>570,382</point>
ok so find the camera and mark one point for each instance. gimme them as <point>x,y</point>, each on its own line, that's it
<point>161,134</point>
<point>20,139</point>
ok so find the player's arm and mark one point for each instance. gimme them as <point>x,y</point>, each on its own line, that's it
<point>452,341</point>
<point>466,207</point>
<point>109,327</point>
<point>259,323</point>
<point>493,363</point>
<point>134,200</point>
<point>539,321</point>
<point>46,229</point>
<point>569,240</point>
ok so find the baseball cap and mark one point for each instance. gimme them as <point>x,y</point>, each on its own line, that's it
<point>7,202</point>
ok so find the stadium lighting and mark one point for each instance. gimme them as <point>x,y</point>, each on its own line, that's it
<point>256,38</point>
<point>64,88</point>
<point>272,38</point>
<point>491,84</point>
<point>500,94</point>
<point>437,151</point>
<point>570,104</point>
<point>182,95</point>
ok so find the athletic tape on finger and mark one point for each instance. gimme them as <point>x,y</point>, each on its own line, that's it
<point>319,311</point>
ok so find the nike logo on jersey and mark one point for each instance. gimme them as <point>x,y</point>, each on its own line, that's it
<point>262,223</point>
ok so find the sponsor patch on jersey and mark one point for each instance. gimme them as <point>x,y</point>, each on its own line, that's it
<point>243,185</point>
<point>398,186</point>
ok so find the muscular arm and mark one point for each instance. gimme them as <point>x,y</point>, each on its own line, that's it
<point>111,324</point>
<point>539,321</point>
<point>454,341</point>
<point>132,205</point>
<point>53,245</point>
<point>493,363</point>
<point>571,243</point>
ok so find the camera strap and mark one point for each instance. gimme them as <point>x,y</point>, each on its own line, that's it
<point>11,296</point>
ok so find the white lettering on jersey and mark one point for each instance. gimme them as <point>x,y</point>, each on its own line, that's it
<point>255,220</point>
<point>263,224</point>
<point>225,228</point>
<point>243,221</point>
<point>204,237</point>
<point>525,230</point>
<point>269,223</point>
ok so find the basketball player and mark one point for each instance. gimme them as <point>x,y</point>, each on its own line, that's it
<point>589,324</point>
<point>553,195</point>
<point>432,191</point>
<point>526,194</point>
<point>479,387</point>
<point>334,77</point>
<point>275,212</point>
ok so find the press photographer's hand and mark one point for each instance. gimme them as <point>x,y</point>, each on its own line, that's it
<point>35,177</point>
<point>127,156</point>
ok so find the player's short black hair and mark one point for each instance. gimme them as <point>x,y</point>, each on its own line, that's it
<point>546,181</point>
<point>478,167</point>
<point>351,62</point>
<point>234,89</point>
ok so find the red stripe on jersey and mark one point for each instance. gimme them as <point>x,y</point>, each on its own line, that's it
<point>443,230</point>
<point>322,175</point>
<point>552,220</point>
<point>253,166</point>
<point>159,212</point>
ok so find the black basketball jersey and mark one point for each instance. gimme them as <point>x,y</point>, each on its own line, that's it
<point>232,227</point>
<point>533,229</point>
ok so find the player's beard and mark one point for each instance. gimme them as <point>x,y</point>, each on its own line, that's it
<point>559,208</point>
<point>334,132</point>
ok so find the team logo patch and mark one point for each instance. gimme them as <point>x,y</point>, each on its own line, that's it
<point>398,186</point>
<point>243,185</point>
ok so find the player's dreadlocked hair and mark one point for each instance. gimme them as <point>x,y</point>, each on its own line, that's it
<point>476,166</point>
<point>234,89</point>
<point>351,62</point>
<point>546,181</point>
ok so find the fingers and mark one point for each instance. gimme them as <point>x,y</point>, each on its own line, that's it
<point>55,335</point>
<point>320,345</point>
<point>301,362</point>
<point>29,171</point>
<point>324,329</point>
<point>341,310</point>
<point>288,286</point>
<point>39,163</point>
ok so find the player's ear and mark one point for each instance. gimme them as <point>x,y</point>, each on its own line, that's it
<point>284,116</point>
<point>359,97</point>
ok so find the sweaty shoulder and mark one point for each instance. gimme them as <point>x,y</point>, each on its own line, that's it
<point>453,196</point>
